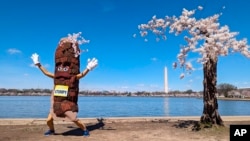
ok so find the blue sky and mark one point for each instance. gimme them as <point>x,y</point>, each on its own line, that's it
<point>125,63</point>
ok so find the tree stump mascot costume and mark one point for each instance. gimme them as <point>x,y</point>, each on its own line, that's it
<point>64,96</point>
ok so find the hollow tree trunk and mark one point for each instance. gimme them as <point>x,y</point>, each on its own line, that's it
<point>210,110</point>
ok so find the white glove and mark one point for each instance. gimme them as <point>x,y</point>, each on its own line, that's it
<point>34,57</point>
<point>92,63</point>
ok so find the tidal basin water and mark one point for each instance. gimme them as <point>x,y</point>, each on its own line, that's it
<point>93,107</point>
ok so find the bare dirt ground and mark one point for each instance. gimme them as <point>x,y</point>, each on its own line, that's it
<point>117,130</point>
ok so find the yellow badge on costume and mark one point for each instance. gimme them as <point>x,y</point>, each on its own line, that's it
<point>61,90</point>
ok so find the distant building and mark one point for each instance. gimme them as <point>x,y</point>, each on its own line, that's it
<point>240,93</point>
<point>245,92</point>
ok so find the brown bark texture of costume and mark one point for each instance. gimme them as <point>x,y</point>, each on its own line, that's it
<point>67,66</point>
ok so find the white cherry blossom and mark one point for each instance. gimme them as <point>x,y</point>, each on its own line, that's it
<point>75,38</point>
<point>217,40</point>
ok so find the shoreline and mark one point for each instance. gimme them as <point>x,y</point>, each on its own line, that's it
<point>199,97</point>
<point>41,121</point>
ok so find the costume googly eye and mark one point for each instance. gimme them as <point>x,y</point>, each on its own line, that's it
<point>59,68</point>
<point>65,69</point>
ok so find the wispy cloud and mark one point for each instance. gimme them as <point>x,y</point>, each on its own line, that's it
<point>13,51</point>
<point>134,35</point>
<point>153,59</point>
<point>140,85</point>
<point>46,65</point>
<point>153,86</point>
<point>188,86</point>
<point>245,83</point>
<point>242,84</point>
<point>124,87</point>
<point>34,66</point>
<point>198,69</point>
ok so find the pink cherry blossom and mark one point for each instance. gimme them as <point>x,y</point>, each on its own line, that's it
<point>217,40</point>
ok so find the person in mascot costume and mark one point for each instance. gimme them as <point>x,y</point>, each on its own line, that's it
<point>66,77</point>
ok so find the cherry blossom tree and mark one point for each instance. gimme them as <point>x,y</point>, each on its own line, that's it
<point>206,37</point>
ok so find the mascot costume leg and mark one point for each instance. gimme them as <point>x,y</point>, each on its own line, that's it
<point>66,77</point>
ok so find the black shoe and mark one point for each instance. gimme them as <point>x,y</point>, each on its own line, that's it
<point>49,132</point>
<point>86,133</point>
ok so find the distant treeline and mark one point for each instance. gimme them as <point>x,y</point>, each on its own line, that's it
<point>39,92</point>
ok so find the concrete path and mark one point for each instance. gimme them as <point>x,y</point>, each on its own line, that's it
<point>40,121</point>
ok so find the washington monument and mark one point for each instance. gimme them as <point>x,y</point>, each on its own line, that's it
<point>165,79</point>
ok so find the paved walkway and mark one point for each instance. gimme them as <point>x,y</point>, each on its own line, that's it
<point>40,121</point>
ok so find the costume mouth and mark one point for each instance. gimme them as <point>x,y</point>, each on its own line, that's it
<point>62,75</point>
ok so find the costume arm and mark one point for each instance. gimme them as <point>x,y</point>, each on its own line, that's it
<point>36,62</point>
<point>92,63</point>
<point>81,75</point>
<point>47,73</point>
